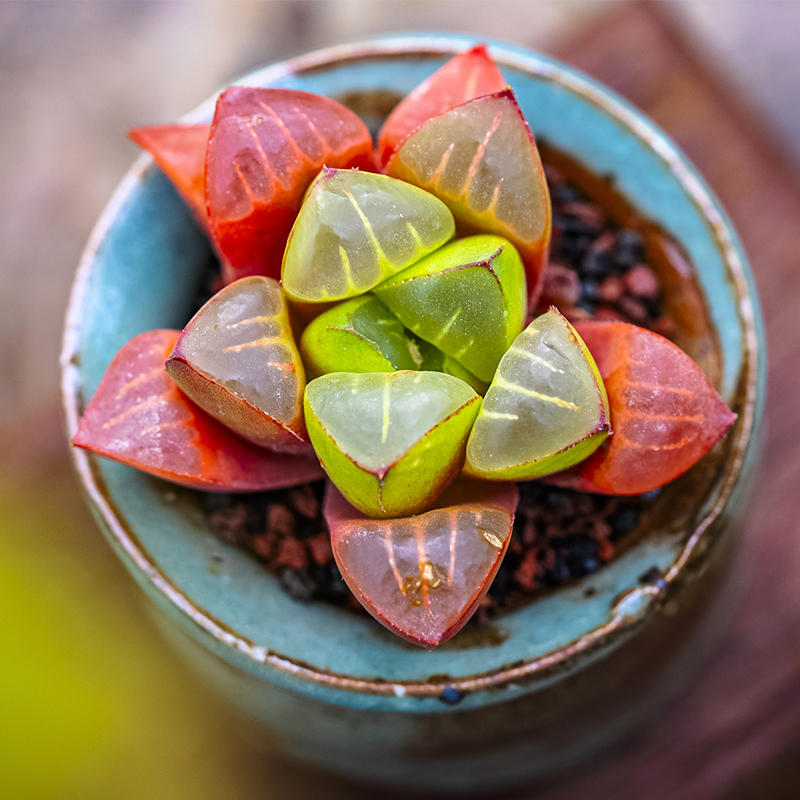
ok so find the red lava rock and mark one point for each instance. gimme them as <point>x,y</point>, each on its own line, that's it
<point>633,309</point>
<point>291,553</point>
<point>320,547</point>
<point>562,286</point>
<point>664,326</point>
<point>525,573</point>
<point>608,315</point>
<point>529,533</point>
<point>611,289</point>
<point>263,545</point>
<point>606,550</point>
<point>588,213</point>
<point>604,242</point>
<point>227,524</point>
<point>304,501</point>
<point>642,281</point>
<point>280,520</point>
<point>600,529</point>
<point>552,174</point>
<point>577,314</point>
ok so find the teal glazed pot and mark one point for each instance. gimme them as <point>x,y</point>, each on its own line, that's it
<point>546,685</point>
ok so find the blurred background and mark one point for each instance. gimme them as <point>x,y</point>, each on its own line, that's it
<point>93,704</point>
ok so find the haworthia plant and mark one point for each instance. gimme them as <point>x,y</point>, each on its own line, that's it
<point>358,335</point>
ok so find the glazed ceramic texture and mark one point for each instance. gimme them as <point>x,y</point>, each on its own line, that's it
<point>546,684</point>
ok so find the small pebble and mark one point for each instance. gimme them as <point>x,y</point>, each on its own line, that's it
<point>605,551</point>
<point>320,548</point>
<point>298,584</point>
<point>612,288</point>
<point>642,282</point>
<point>576,314</point>
<point>291,553</point>
<point>582,555</point>
<point>588,213</point>
<point>280,519</point>
<point>304,501</point>
<point>664,326</point>
<point>633,309</point>
<point>624,520</point>
<point>562,286</point>
<point>609,315</point>
<point>553,176</point>
<point>525,573</point>
<point>227,524</point>
<point>329,584</point>
<point>629,247</point>
<point>263,545</point>
<point>590,290</point>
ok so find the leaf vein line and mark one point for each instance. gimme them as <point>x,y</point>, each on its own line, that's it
<point>514,387</point>
<point>148,402</point>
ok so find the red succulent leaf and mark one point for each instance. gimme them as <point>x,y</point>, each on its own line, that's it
<point>266,147</point>
<point>180,152</point>
<point>139,417</point>
<point>470,74</point>
<point>665,415</point>
<point>480,159</point>
<point>424,576</point>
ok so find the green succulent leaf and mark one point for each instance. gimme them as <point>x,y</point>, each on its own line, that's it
<point>468,299</point>
<point>435,360</point>
<point>391,442</point>
<point>545,410</point>
<point>355,229</point>
<point>358,335</point>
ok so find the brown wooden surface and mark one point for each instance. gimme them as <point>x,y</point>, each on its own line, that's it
<point>736,733</point>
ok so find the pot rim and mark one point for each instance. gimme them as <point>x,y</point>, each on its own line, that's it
<point>632,607</point>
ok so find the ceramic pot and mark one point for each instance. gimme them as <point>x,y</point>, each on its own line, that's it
<point>547,684</point>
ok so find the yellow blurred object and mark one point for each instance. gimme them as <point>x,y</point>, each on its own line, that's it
<point>93,703</point>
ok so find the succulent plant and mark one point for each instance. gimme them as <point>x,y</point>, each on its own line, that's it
<point>264,148</point>
<point>180,152</point>
<point>468,75</point>
<point>480,158</point>
<point>419,328</point>
<point>665,414</point>
<point>423,576</point>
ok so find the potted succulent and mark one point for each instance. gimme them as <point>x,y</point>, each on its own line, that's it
<point>546,683</point>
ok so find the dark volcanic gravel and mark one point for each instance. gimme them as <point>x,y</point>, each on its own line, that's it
<point>596,272</point>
